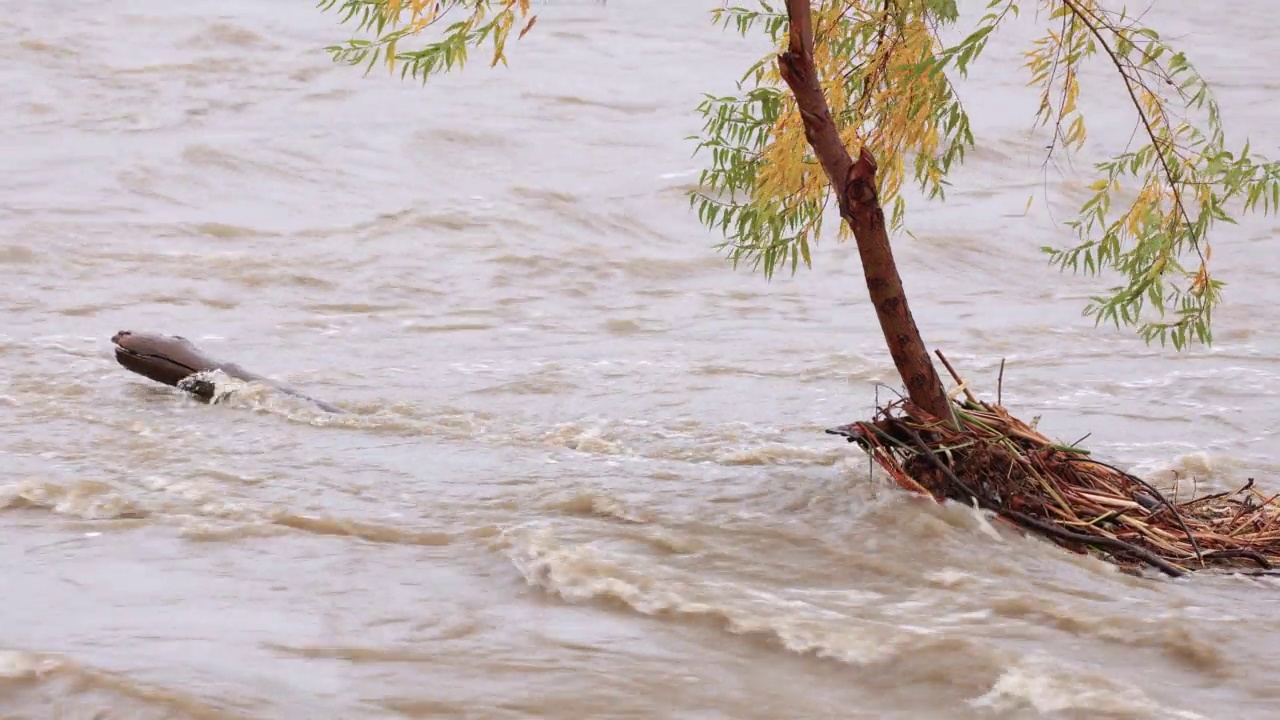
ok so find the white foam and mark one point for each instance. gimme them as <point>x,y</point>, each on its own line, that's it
<point>1050,687</point>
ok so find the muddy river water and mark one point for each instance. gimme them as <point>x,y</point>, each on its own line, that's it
<point>583,474</point>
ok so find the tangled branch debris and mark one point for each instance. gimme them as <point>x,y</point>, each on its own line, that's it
<point>1060,492</point>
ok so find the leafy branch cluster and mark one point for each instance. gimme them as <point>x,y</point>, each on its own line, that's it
<point>390,21</point>
<point>883,71</point>
<point>1181,178</point>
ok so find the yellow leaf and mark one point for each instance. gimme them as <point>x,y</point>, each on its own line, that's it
<point>1073,89</point>
<point>1201,282</point>
<point>528,26</point>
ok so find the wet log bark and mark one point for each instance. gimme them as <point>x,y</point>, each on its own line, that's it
<point>854,184</point>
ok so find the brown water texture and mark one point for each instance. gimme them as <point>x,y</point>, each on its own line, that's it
<point>584,474</point>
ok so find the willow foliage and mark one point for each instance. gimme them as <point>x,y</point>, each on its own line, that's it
<point>888,76</point>
<point>472,24</point>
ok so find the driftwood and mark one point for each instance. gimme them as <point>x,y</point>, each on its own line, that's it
<point>1060,492</point>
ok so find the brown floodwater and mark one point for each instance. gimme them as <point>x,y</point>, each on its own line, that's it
<point>583,474</point>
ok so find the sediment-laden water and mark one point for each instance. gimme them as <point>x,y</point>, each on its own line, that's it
<point>584,473</point>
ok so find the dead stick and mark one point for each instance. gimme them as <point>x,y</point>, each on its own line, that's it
<point>1000,384</point>
<point>955,376</point>
<point>1253,555</point>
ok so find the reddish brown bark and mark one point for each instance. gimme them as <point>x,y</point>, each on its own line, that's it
<point>854,184</point>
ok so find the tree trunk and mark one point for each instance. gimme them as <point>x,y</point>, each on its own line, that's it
<point>855,187</point>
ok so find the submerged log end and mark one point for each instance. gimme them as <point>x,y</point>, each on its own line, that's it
<point>851,431</point>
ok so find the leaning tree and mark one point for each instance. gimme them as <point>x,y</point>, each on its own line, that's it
<point>858,96</point>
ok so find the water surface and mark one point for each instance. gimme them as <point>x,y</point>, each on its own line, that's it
<point>584,473</point>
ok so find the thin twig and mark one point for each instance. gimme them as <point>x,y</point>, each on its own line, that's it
<point>1082,439</point>
<point>1196,501</point>
<point>1000,384</point>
